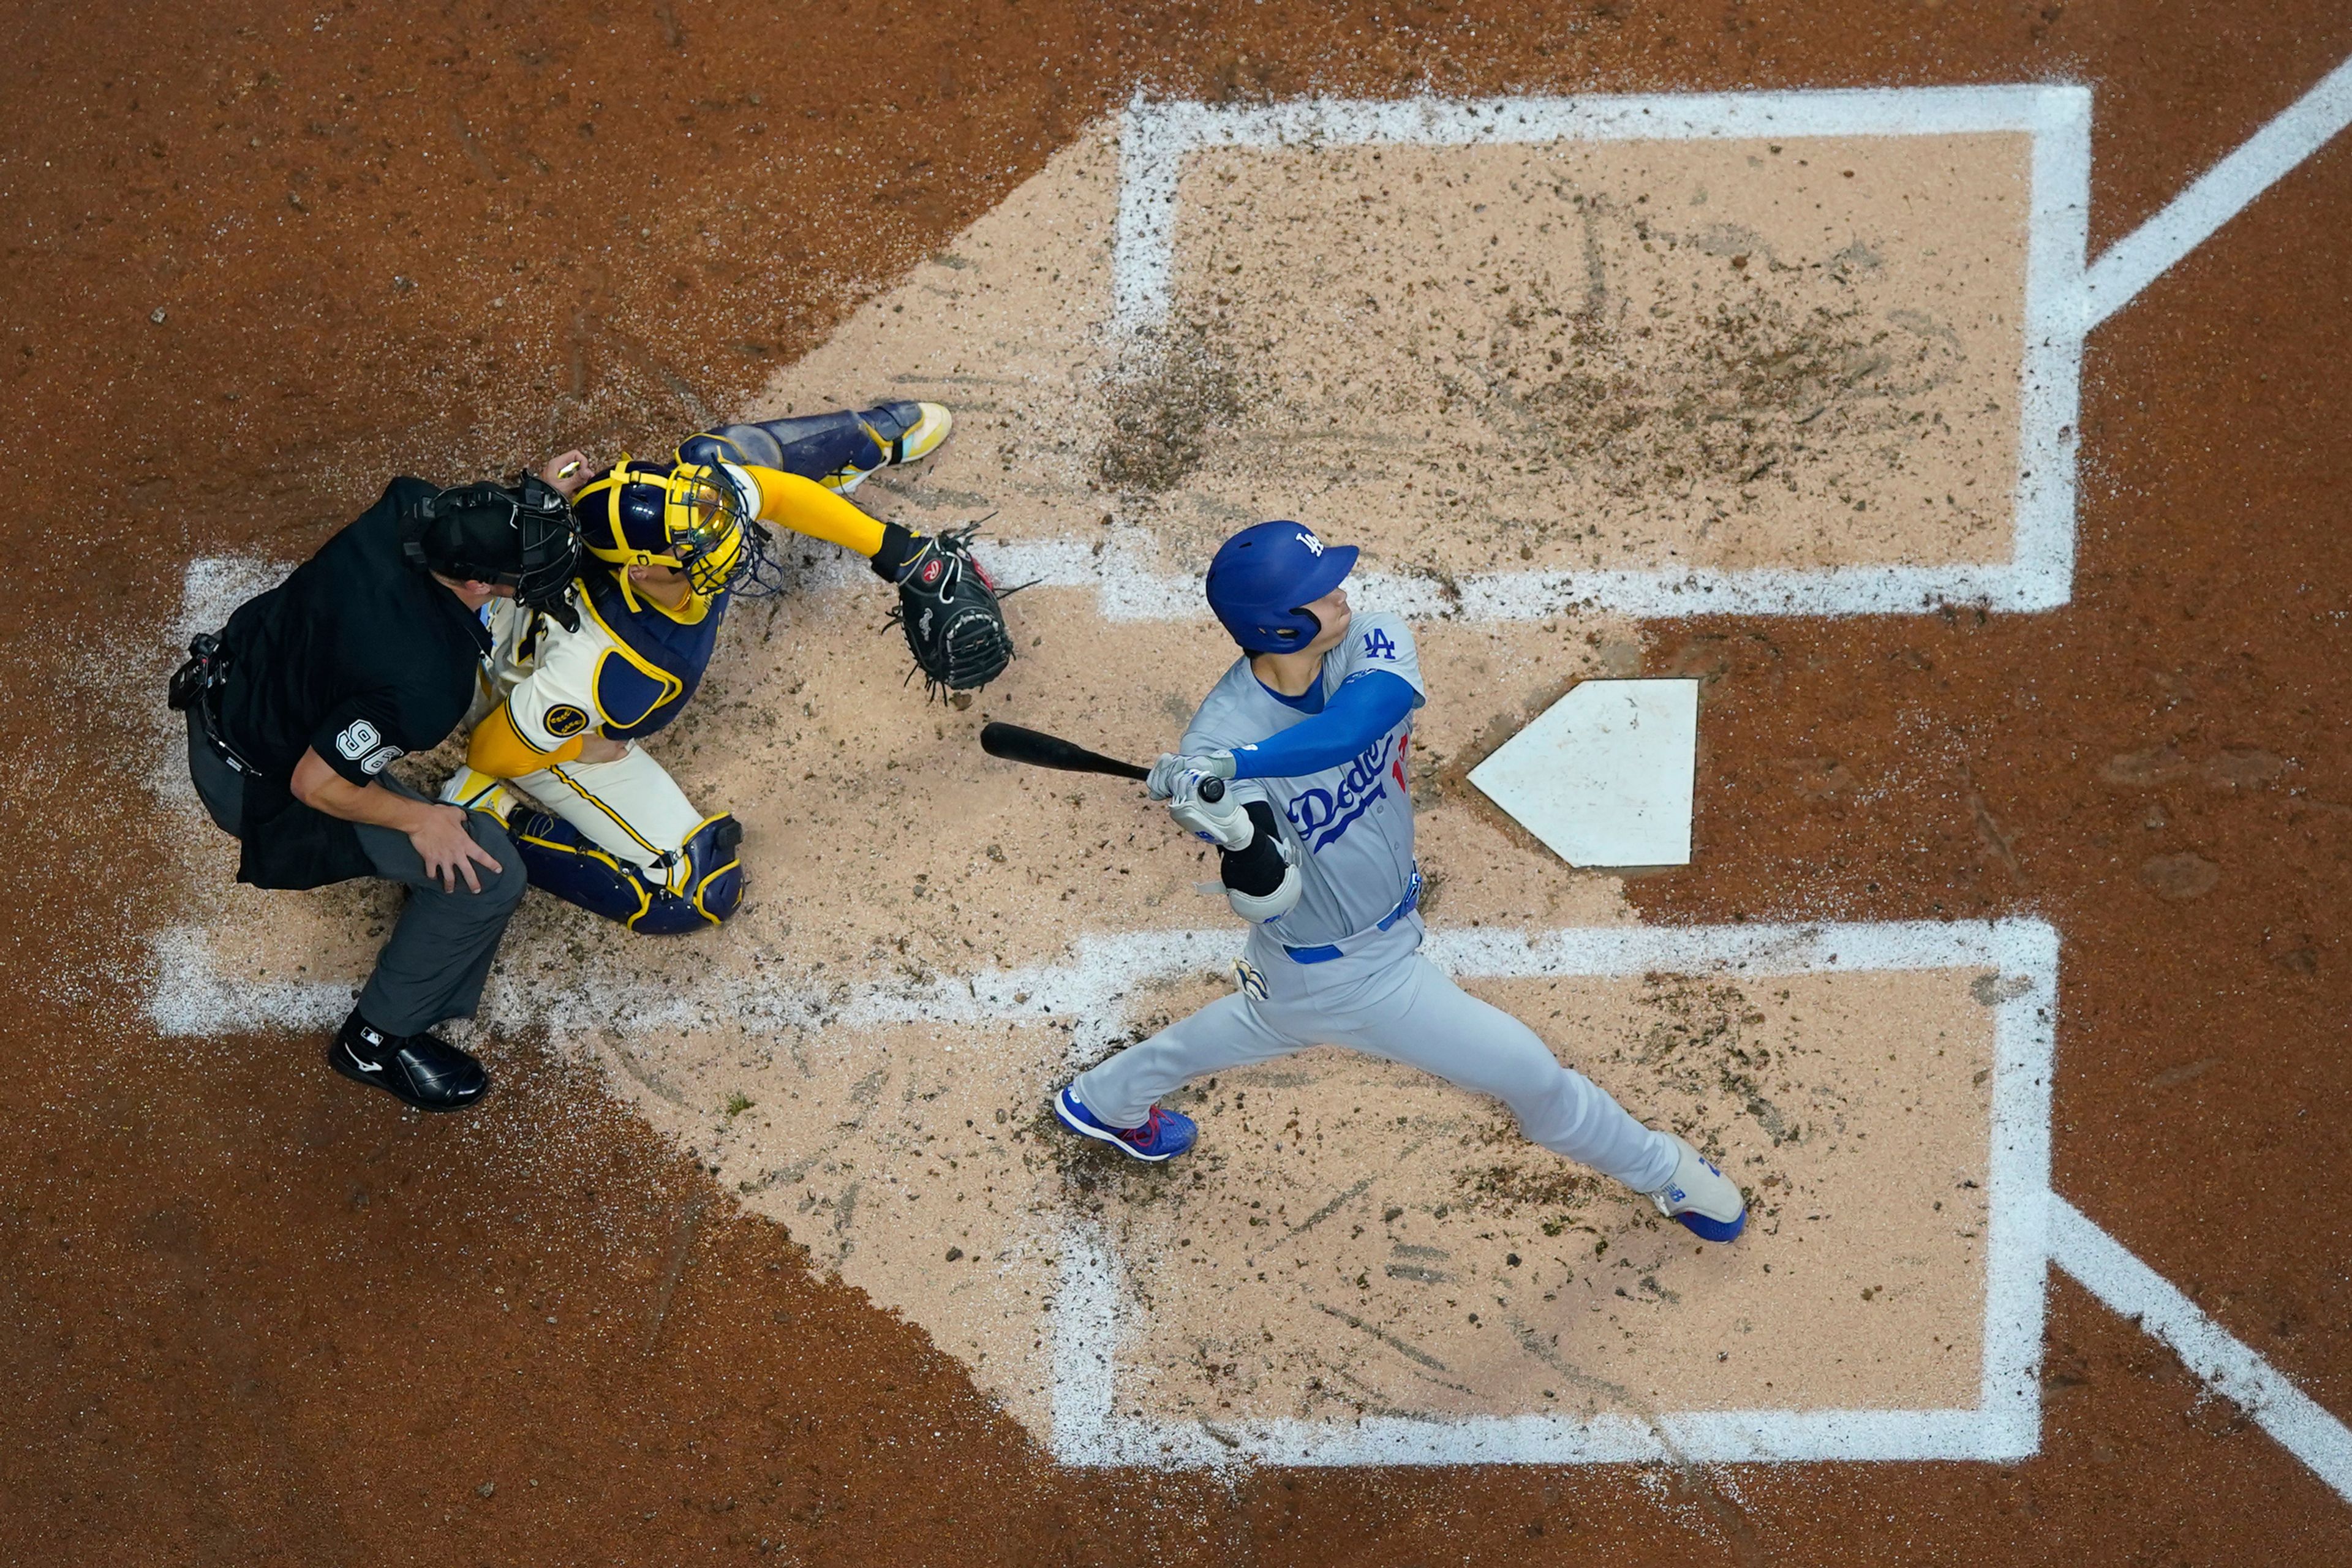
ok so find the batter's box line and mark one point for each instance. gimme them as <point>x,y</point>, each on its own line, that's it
<point>2065,298</point>
<point>1090,1311</point>
<point>2027,1223</point>
<point>2028,1226</point>
<point>1156,138</point>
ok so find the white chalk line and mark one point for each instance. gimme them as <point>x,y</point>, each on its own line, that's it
<point>1088,991</point>
<point>2216,196</point>
<point>1155,139</point>
<point>1089,1315</point>
<point>2223,1362</point>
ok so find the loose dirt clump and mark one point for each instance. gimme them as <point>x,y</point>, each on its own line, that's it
<point>1162,417</point>
<point>1701,1041</point>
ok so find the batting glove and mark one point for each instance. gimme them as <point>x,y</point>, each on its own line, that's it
<point>1162,783</point>
<point>1223,822</point>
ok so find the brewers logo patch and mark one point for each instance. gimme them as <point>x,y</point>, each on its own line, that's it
<point>565,720</point>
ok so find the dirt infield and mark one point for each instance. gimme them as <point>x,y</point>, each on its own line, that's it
<point>251,1316</point>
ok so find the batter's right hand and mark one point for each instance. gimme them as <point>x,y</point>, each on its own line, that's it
<point>1160,783</point>
<point>448,851</point>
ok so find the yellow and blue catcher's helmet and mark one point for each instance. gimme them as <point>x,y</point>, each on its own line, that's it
<point>694,518</point>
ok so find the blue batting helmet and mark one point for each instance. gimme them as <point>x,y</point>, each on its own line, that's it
<point>1265,576</point>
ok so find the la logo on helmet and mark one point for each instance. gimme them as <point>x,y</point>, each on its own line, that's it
<point>1309,541</point>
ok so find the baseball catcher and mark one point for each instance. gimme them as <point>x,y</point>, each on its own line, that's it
<point>555,749</point>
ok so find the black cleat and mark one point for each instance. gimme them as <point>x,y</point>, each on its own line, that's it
<point>424,1070</point>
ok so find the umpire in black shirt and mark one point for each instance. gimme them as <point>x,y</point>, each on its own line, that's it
<point>369,651</point>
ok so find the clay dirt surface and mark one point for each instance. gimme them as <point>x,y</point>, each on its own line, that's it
<point>258,262</point>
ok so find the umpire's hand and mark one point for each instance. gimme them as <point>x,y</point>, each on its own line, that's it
<point>437,831</point>
<point>449,851</point>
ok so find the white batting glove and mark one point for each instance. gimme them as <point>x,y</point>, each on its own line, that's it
<point>1224,823</point>
<point>1162,784</point>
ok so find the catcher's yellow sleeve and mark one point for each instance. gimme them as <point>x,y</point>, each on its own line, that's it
<point>806,506</point>
<point>496,748</point>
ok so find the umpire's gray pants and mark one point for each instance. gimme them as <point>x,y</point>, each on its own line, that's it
<point>440,949</point>
<point>1387,1000</point>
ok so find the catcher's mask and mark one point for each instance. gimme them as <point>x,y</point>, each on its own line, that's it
<point>694,518</point>
<point>519,536</point>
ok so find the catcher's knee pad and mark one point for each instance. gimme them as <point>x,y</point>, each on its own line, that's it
<point>701,886</point>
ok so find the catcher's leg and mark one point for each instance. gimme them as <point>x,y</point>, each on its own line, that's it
<point>837,449</point>
<point>700,887</point>
<point>619,838</point>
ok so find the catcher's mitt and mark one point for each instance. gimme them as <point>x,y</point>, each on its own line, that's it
<point>948,608</point>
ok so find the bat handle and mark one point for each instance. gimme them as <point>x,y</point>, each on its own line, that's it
<point>1213,790</point>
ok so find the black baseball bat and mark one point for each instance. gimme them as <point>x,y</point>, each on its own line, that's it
<point>1039,750</point>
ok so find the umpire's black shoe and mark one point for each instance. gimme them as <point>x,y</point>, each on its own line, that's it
<point>425,1070</point>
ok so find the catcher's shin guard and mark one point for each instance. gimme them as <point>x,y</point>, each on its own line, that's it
<point>837,449</point>
<point>702,885</point>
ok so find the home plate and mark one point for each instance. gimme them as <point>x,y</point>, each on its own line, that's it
<point>1603,777</point>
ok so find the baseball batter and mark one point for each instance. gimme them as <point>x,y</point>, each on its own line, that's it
<point>1312,725</point>
<point>554,752</point>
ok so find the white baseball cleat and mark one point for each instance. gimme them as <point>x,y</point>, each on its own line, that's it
<point>1704,1199</point>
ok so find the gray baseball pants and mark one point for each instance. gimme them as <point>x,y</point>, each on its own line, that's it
<point>439,953</point>
<point>1386,1000</point>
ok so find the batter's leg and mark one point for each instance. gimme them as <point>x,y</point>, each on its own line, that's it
<point>1437,1027</point>
<point>1227,1033</point>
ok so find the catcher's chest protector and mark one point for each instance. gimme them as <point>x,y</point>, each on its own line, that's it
<point>649,665</point>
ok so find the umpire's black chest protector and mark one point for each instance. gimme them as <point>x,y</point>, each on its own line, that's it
<point>359,655</point>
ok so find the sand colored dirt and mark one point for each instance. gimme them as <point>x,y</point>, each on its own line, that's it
<point>1724,353</point>
<point>1361,1239</point>
<point>1650,355</point>
<point>1843,1103</point>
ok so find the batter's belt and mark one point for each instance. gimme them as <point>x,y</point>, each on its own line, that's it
<point>1346,945</point>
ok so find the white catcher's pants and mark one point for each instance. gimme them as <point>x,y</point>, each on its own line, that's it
<point>629,807</point>
<point>1386,1000</point>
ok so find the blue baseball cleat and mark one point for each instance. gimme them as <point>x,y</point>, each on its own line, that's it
<point>1163,1135</point>
<point>1706,1200</point>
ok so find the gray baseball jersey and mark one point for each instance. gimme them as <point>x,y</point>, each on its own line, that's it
<point>1354,827</point>
<point>1352,824</point>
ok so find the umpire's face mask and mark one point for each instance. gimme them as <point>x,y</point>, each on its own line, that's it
<point>518,536</point>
